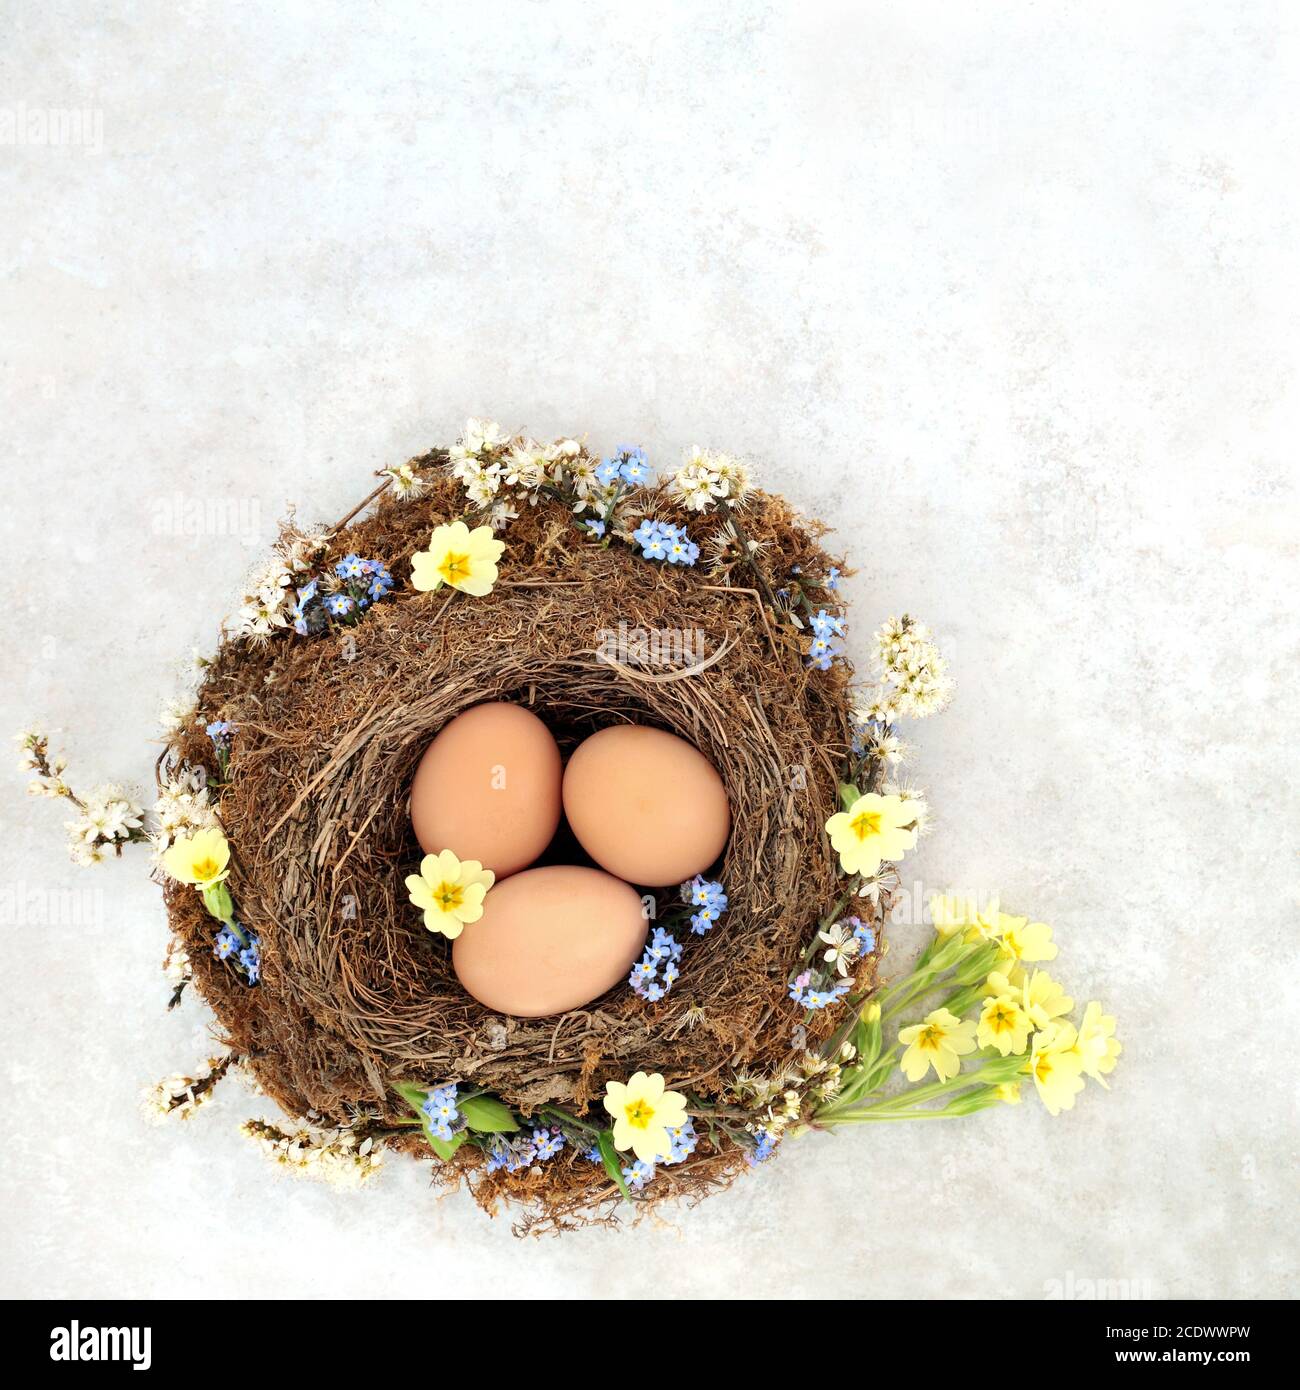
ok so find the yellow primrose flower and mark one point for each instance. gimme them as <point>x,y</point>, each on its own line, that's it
<point>1055,1066</point>
<point>465,559</point>
<point>450,891</point>
<point>874,829</point>
<point>941,1041</point>
<point>1043,999</point>
<point>200,859</point>
<point>1024,940</point>
<point>1009,980</point>
<point>1098,1048</point>
<point>1008,1093</point>
<point>643,1114</point>
<point>951,915</point>
<point>1003,1024</point>
<point>1040,996</point>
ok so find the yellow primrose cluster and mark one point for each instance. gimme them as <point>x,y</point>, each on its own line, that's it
<point>1021,1013</point>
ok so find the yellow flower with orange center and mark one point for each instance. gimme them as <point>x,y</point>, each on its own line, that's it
<point>450,891</point>
<point>643,1113</point>
<point>941,1041</point>
<point>1003,1024</point>
<point>875,829</point>
<point>199,859</point>
<point>464,559</point>
<point>1055,1065</point>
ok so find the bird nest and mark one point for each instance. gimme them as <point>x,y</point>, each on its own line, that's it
<point>355,996</point>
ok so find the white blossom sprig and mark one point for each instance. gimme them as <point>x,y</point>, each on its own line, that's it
<point>913,675</point>
<point>177,971</point>
<point>183,807</point>
<point>264,609</point>
<point>178,1097</point>
<point>269,589</point>
<point>338,1156</point>
<point>107,817</point>
<point>500,472</point>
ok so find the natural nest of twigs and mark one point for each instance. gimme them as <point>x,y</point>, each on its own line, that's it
<point>355,994</point>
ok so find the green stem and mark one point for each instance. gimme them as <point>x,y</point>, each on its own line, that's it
<point>613,502</point>
<point>867,1117</point>
<point>569,1119</point>
<point>907,1099</point>
<point>918,990</point>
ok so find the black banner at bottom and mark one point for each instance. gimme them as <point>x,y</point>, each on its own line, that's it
<point>95,1338</point>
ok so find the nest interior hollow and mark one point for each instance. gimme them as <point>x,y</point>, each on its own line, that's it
<point>355,992</point>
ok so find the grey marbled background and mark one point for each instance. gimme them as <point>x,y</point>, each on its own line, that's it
<point>1006,291</point>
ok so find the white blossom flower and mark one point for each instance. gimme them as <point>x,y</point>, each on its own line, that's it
<point>813,1064</point>
<point>182,808</point>
<point>178,1097</point>
<point>265,601</point>
<point>830,1083</point>
<point>482,436</point>
<point>842,947</point>
<point>878,886</point>
<point>581,474</point>
<point>176,968</point>
<point>707,477</point>
<point>177,714</point>
<point>300,548</point>
<point>501,515</point>
<point>108,817</point>
<point>525,468</point>
<point>734,474</point>
<point>406,482</point>
<point>34,756</point>
<point>32,745</point>
<point>481,481</point>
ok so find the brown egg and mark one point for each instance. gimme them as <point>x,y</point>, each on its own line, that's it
<point>488,788</point>
<point>646,805</point>
<point>550,940</point>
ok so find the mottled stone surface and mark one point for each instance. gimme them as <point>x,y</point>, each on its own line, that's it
<point>1006,292</point>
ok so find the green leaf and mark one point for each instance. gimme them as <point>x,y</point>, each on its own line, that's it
<point>849,794</point>
<point>488,1116</point>
<point>609,1157</point>
<point>414,1096</point>
<point>442,1147</point>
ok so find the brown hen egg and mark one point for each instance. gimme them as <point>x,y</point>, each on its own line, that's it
<point>550,940</point>
<point>646,805</point>
<point>488,788</point>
